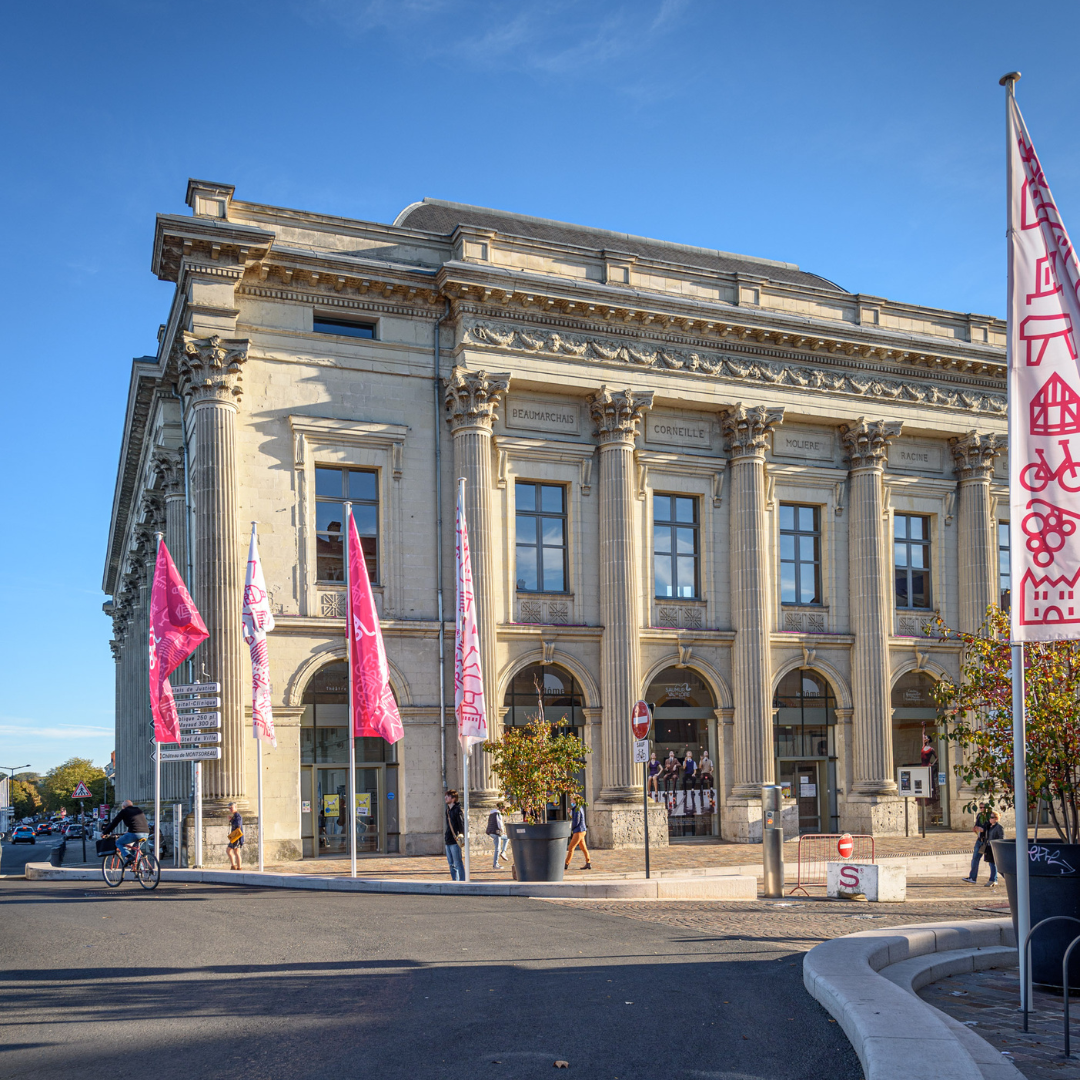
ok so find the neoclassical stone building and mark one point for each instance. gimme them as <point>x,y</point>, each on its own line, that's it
<point>720,483</point>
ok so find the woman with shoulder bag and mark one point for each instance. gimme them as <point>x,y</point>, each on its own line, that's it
<point>236,836</point>
<point>995,832</point>
<point>454,836</point>
<point>496,829</point>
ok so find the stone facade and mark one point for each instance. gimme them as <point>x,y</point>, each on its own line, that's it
<point>619,371</point>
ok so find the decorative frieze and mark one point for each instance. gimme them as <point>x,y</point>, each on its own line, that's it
<point>617,415</point>
<point>762,372</point>
<point>975,455</point>
<point>210,368</point>
<point>866,442</point>
<point>332,604</point>
<point>684,616</point>
<point>472,398</point>
<point>747,431</point>
<point>805,622</point>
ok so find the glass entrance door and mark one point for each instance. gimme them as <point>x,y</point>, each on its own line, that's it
<point>325,815</point>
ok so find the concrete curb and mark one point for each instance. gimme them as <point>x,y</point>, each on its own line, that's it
<point>724,887</point>
<point>868,982</point>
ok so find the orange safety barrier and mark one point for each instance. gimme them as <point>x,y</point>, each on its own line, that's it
<point>817,849</point>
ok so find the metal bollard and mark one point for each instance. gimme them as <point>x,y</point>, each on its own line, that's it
<point>772,839</point>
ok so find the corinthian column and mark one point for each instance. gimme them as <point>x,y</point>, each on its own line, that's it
<point>866,444</point>
<point>747,433</point>
<point>210,382</point>
<point>616,416</point>
<point>974,456</point>
<point>472,400</point>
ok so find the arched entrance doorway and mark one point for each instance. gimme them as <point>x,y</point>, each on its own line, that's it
<point>804,736</point>
<point>684,724</point>
<point>916,738</point>
<point>324,775</point>
<point>563,705</point>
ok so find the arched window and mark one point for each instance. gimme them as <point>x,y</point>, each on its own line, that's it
<point>915,735</point>
<point>805,709</point>
<point>563,701</point>
<point>324,726</point>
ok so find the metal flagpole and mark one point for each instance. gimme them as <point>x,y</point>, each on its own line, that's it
<point>351,815</point>
<point>157,746</point>
<point>465,794</point>
<point>1020,803</point>
<point>259,751</point>
<point>468,746</point>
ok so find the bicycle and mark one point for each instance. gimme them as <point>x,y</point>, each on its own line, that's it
<point>145,868</point>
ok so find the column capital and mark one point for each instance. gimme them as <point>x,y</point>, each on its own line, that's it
<point>472,398</point>
<point>974,455</point>
<point>117,650</point>
<point>169,466</point>
<point>209,368</point>
<point>152,509</point>
<point>866,442</point>
<point>616,415</point>
<point>747,431</point>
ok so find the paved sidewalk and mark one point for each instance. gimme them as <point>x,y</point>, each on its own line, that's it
<point>987,1001</point>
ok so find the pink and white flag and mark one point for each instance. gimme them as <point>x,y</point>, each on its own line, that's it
<point>375,713</point>
<point>176,631</point>
<point>468,677</point>
<point>258,622</point>
<point>1044,402</point>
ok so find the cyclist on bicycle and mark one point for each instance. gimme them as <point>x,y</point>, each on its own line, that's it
<point>138,829</point>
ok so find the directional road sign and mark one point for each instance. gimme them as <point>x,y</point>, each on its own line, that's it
<point>197,688</point>
<point>200,720</point>
<point>81,792</point>
<point>184,707</point>
<point>194,753</point>
<point>193,738</point>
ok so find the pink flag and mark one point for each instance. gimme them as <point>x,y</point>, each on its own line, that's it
<point>176,631</point>
<point>258,621</point>
<point>374,710</point>
<point>1044,402</point>
<point>468,678</point>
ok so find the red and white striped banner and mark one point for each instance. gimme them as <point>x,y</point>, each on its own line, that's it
<point>468,677</point>
<point>258,622</point>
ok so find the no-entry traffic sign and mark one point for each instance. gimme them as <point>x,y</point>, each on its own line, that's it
<point>845,846</point>
<point>640,720</point>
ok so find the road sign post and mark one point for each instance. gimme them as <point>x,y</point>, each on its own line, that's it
<point>82,793</point>
<point>640,722</point>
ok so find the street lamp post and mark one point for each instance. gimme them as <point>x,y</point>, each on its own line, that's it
<point>11,780</point>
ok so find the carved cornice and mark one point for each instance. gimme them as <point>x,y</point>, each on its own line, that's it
<point>974,455</point>
<point>210,368</point>
<point>169,468</point>
<point>866,442</point>
<point>761,372</point>
<point>617,415</point>
<point>747,431</point>
<point>472,398</point>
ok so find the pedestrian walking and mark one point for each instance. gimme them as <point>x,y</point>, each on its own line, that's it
<point>496,829</point>
<point>995,832</point>
<point>236,836</point>
<point>982,824</point>
<point>577,835</point>
<point>454,836</point>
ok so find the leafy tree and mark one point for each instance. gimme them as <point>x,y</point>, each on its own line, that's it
<point>535,767</point>
<point>61,781</point>
<point>25,798</point>
<point>977,715</point>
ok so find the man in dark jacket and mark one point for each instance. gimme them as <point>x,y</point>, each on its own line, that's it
<point>455,827</point>
<point>982,824</point>
<point>134,820</point>
<point>995,832</point>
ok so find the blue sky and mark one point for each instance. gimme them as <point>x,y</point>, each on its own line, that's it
<point>862,141</point>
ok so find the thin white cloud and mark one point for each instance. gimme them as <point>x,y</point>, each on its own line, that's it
<point>19,727</point>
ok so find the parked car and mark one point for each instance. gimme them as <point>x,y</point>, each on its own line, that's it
<point>23,834</point>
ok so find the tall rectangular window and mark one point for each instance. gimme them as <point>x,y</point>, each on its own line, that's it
<point>541,537</point>
<point>1004,565</point>
<point>675,546</point>
<point>800,554</point>
<point>911,557</point>
<point>333,487</point>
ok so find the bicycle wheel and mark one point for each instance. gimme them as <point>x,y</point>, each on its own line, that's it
<point>148,870</point>
<point>112,870</point>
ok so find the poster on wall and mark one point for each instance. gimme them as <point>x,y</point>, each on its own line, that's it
<point>331,805</point>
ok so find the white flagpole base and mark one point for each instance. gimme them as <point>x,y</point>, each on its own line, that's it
<point>1020,804</point>
<point>260,811</point>
<point>465,795</point>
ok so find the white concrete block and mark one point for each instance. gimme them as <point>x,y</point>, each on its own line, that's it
<point>877,882</point>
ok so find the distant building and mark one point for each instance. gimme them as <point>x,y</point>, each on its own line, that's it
<point>719,483</point>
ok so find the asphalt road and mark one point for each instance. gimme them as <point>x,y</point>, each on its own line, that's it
<point>14,857</point>
<point>228,982</point>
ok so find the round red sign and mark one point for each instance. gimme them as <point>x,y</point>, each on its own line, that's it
<point>640,720</point>
<point>845,845</point>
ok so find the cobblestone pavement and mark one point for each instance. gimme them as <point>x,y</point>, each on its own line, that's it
<point>669,859</point>
<point>800,923</point>
<point>987,1001</point>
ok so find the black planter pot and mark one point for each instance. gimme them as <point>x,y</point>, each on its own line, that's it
<point>1054,876</point>
<point>539,850</point>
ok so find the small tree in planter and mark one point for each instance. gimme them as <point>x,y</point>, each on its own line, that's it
<point>535,767</point>
<point>977,716</point>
